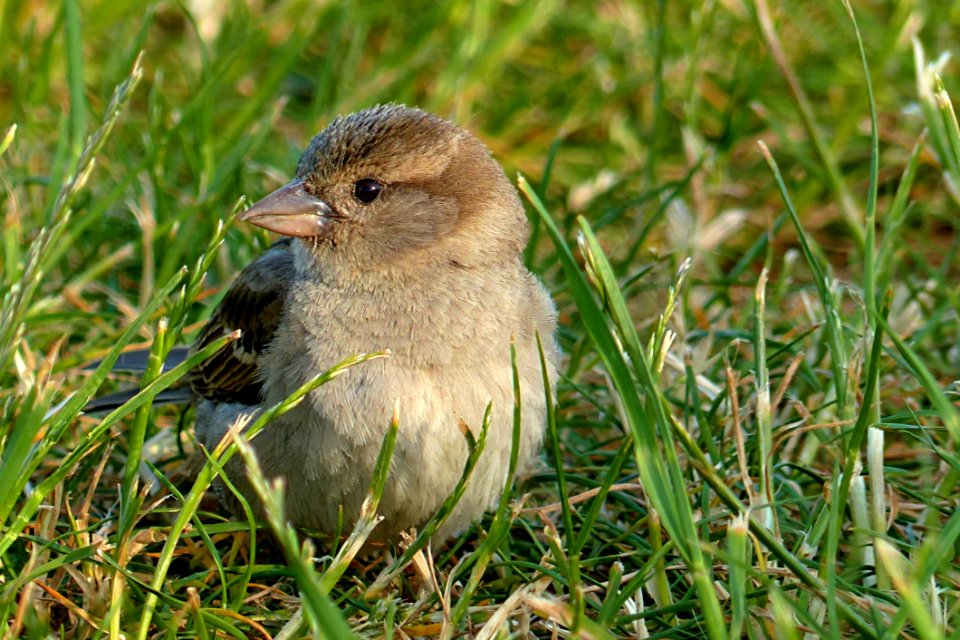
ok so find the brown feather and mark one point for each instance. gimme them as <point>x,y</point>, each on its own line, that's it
<point>253,304</point>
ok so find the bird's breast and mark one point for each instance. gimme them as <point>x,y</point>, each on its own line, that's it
<point>447,352</point>
<point>449,359</point>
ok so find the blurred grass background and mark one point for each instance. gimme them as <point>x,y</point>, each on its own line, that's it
<point>749,398</point>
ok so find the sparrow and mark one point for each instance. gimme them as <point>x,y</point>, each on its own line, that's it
<point>403,234</point>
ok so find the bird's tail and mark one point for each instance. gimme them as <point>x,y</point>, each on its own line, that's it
<point>136,362</point>
<point>111,401</point>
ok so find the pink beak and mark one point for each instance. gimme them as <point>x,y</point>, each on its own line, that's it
<point>291,211</point>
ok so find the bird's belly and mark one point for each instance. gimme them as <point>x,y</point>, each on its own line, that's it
<point>326,448</point>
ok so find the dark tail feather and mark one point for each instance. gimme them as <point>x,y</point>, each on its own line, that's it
<point>136,361</point>
<point>109,402</point>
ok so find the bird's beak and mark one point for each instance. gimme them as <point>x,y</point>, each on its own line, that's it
<point>291,211</point>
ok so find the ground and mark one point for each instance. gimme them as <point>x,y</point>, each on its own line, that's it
<point>753,250</point>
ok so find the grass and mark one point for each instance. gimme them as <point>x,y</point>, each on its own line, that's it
<point>748,220</point>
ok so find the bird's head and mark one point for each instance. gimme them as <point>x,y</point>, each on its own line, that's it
<point>396,185</point>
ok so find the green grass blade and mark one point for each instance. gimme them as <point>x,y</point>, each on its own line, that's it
<point>325,619</point>
<point>224,451</point>
<point>78,98</point>
<point>838,351</point>
<point>660,481</point>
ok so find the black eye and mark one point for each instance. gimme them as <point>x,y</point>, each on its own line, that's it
<point>367,190</point>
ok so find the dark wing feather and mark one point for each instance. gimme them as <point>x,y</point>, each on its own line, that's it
<point>253,304</point>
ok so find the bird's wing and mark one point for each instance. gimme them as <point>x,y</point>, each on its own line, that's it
<point>254,305</point>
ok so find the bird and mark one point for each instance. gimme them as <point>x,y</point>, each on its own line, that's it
<point>400,232</point>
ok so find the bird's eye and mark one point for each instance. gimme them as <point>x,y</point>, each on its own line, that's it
<point>367,190</point>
